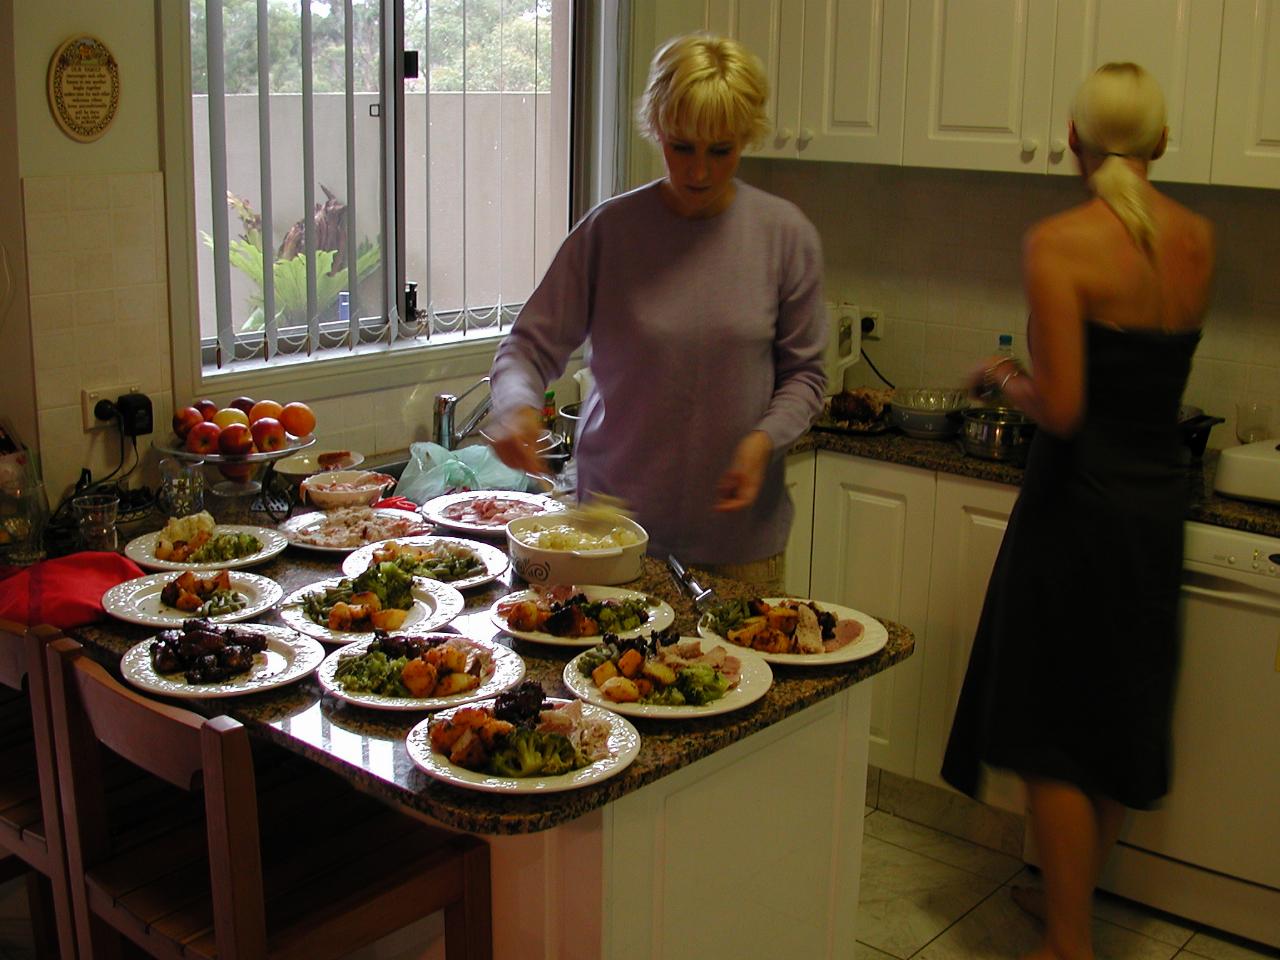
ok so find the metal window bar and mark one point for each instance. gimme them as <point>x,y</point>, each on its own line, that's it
<point>392,166</point>
<point>309,179</point>
<point>218,178</point>
<point>270,340</point>
<point>353,253</point>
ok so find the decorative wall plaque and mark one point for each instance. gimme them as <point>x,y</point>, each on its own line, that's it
<point>84,88</point>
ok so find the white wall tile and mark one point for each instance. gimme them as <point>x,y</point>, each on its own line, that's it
<point>89,193</point>
<point>52,312</point>
<point>133,189</point>
<point>94,307</point>
<point>49,273</point>
<point>41,195</point>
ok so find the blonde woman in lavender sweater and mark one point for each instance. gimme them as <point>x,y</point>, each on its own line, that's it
<point>702,297</point>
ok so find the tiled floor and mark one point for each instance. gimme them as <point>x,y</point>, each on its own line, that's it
<point>925,896</point>
<point>930,896</point>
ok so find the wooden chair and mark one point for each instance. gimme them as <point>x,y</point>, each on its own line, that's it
<point>30,828</point>
<point>290,864</point>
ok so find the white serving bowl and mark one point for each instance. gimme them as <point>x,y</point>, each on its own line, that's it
<point>599,565</point>
<point>307,463</point>
<point>345,488</point>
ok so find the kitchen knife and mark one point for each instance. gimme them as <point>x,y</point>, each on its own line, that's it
<point>703,597</point>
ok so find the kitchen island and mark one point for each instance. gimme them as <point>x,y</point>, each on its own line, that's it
<point>735,835</point>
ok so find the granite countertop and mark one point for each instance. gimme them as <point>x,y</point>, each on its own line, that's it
<point>367,746</point>
<point>947,456</point>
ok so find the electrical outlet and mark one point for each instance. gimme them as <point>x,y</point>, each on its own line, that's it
<point>872,328</point>
<point>89,399</point>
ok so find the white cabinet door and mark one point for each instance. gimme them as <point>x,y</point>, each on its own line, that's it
<point>968,529</point>
<point>771,29</point>
<point>854,81</point>
<point>1246,142</point>
<point>1176,40</point>
<point>800,473</point>
<point>979,82</point>
<point>871,540</point>
<point>837,73</point>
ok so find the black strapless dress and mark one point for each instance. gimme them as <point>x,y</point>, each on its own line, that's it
<point>1072,672</point>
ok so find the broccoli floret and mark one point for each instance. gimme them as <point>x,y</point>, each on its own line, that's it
<point>558,755</point>
<point>701,684</point>
<point>521,756</point>
<point>393,586</point>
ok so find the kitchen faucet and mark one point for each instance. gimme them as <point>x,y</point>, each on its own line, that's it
<point>442,416</point>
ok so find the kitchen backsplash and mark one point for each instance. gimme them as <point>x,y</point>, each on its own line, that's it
<point>937,252</point>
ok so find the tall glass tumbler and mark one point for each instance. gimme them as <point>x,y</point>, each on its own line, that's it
<point>24,511</point>
<point>181,487</point>
<point>96,518</point>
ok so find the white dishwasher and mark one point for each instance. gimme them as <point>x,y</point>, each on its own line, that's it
<point>1212,851</point>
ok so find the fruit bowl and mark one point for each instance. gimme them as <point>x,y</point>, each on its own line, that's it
<point>232,486</point>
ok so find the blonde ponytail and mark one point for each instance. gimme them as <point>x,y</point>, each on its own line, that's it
<point>1119,113</point>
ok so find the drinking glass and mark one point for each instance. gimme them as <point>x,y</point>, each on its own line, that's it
<point>24,510</point>
<point>96,517</point>
<point>181,487</point>
<point>1253,421</point>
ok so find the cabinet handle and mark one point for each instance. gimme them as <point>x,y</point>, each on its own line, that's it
<point>1057,147</point>
<point>784,134</point>
<point>1030,145</point>
<point>804,136</point>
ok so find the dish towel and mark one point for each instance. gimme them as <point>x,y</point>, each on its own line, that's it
<point>65,592</point>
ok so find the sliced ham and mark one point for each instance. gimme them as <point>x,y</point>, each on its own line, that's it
<point>847,631</point>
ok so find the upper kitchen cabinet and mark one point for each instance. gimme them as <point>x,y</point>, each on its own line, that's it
<point>837,73</point>
<point>979,85</point>
<point>1246,143</point>
<point>1178,42</point>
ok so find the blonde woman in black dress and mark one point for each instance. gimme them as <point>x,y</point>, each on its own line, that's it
<point>1071,679</point>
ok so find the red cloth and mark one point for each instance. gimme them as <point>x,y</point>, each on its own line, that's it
<point>65,592</point>
<point>399,503</point>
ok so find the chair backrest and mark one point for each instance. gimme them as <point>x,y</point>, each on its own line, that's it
<point>89,708</point>
<point>13,657</point>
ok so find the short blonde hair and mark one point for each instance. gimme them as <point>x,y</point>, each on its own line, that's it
<point>1119,113</point>
<point>703,87</point>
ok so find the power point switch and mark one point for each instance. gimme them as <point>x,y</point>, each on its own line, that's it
<point>135,414</point>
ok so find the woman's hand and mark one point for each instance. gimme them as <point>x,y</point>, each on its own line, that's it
<point>515,440</point>
<point>987,373</point>
<point>739,486</point>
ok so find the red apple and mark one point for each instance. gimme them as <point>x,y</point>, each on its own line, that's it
<point>268,434</point>
<point>236,471</point>
<point>203,437</point>
<point>235,440</point>
<point>185,419</point>
<point>243,404</point>
<point>208,409</point>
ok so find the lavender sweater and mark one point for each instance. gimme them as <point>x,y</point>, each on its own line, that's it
<point>701,331</point>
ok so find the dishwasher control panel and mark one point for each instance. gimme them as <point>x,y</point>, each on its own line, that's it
<point>1234,550</point>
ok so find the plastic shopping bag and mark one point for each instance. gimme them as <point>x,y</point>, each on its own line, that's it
<point>432,471</point>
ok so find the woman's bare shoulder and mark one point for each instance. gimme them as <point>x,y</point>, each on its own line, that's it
<point>1066,232</point>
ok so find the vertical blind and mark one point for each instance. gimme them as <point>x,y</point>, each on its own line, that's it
<point>333,181</point>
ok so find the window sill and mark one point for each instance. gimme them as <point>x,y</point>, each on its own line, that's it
<point>309,379</point>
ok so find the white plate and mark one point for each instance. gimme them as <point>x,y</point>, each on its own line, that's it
<point>142,550</point>
<point>138,600</point>
<point>494,560</point>
<point>661,616</point>
<point>624,744</point>
<point>437,508</point>
<point>306,521</point>
<point>505,669</point>
<point>873,639</point>
<point>434,605</point>
<point>751,686</point>
<point>288,657</point>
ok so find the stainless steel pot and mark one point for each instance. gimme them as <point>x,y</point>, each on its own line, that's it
<point>997,433</point>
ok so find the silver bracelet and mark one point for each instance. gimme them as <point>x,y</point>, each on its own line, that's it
<point>1015,372</point>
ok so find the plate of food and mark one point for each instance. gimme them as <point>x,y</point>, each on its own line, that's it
<point>787,630</point>
<point>204,660</point>
<point>523,742</point>
<point>348,609</point>
<point>579,616</point>
<point>167,599</point>
<point>347,528</point>
<point>486,512</point>
<point>862,410</point>
<point>196,541</point>
<point>667,676</point>
<point>429,672</point>
<point>461,563</point>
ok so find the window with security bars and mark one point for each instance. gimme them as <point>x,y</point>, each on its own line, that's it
<point>336,179</point>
